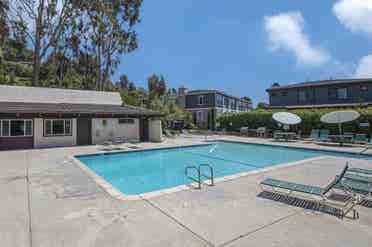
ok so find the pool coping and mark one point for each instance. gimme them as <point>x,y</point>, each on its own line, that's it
<point>114,192</point>
<point>351,152</point>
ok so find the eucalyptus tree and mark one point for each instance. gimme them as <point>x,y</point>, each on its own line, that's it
<point>4,25</point>
<point>106,28</point>
<point>46,22</point>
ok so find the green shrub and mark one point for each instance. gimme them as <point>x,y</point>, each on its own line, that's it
<point>310,120</point>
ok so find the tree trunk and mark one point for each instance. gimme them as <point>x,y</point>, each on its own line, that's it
<point>37,47</point>
<point>36,63</point>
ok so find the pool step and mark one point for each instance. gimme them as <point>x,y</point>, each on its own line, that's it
<point>200,175</point>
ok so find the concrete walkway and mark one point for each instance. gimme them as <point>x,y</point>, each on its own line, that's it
<point>49,201</point>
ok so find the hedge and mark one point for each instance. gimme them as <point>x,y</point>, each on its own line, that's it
<point>310,120</point>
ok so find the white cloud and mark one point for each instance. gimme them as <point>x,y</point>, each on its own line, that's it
<point>364,68</point>
<point>355,15</point>
<point>286,32</point>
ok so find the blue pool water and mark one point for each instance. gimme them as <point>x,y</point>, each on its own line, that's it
<point>150,170</point>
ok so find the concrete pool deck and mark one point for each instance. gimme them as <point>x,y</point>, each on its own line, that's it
<point>49,201</point>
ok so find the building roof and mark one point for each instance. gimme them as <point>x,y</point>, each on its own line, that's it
<point>320,106</point>
<point>55,95</point>
<point>318,83</point>
<point>208,91</point>
<point>63,108</point>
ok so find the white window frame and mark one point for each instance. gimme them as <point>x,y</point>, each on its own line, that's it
<point>203,99</point>
<point>64,127</point>
<point>219,100</point>
<point>10,125</point>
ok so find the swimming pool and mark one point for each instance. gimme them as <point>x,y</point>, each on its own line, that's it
<point>139,172</point>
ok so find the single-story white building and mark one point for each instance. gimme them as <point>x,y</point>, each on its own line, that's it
<point>35,117</point>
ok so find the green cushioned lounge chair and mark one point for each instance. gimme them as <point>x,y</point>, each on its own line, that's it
<point>361,185</point>
<point>356,177</point>
<point>169,134</point>
<point>356,186</point>
<point>314,135</point>
<point>324,135</point>
<point>360,170</point>
<point>322,193</point>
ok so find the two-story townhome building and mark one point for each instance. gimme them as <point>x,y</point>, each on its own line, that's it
<point>328,93</point>
<point>207,105</point>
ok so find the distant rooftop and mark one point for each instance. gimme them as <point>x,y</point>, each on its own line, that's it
<point>207,91</point>
<point>318,83</point>
<point>57,96</point>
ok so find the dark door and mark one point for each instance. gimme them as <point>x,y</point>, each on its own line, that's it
<point>144,130</point>
<point>84,131</point>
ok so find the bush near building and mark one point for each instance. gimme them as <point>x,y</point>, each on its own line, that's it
<point>310,120</point>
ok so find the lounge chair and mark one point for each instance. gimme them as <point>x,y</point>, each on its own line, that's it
<point>349,137</point>
<point>361,139</point>
<point>106,146</point>
<point>359,178</point>
<point>185,134</point>
<point>287,188</point>
<point>314,135</point>
<point>358,185</point>
<point>169,134</point>
<point>323,135</point>
<point>359,181</point>
<point>360,170</point>
<point>367,146</point>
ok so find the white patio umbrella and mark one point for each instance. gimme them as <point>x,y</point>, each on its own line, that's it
<point>286,118</point>
<point>340,117</point>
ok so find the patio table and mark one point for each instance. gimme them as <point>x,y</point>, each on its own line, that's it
<point>285,135</point>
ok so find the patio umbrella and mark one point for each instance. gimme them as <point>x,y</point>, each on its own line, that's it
<point>340,117</point>
<point>286,118</point>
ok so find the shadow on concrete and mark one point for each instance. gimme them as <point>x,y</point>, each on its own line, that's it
<point>301,203</point>
<point>338,197</point>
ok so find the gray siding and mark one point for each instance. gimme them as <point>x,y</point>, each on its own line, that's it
<point>192,101</point>
<point>320,95</point>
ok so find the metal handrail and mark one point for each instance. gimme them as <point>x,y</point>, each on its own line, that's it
<point>187,168</point>
<point>211,177</point>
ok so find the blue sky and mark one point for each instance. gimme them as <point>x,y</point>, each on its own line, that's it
<point>242,47</point>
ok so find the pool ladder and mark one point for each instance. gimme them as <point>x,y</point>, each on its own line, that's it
<point>198,169</point>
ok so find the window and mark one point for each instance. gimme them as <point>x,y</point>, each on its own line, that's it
<point>126,121</point>
<point>16,127</point>
<point>363,88</point>
<point>226,102</point>
<point>232,104</point>
<point>219,99</point>
<point>5,128</point>
<point>273,94</point>
<point>284,93</point>
<point>342,93</point>
<point>57,127</point>
<point>302,96</point>
<point>199,116</point>
<point>202,100</point>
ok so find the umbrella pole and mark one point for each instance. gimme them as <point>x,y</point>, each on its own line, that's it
<point>341,135</point>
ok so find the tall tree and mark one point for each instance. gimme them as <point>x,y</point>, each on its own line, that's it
<point>262,105</point>
<point>109,32</point>
<point>123,83</point>
<point>161,87</point>
<point>4,25</point>
<point>48,20</point>
<point>156,85</point>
